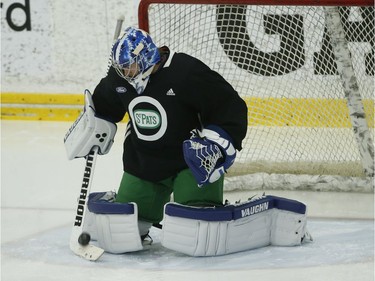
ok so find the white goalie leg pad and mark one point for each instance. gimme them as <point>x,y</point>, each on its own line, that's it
<point>233,228</point>
<point>288,228</point>
<point>90,225</point>
<point>194,237</point>
<point>210,232</point>
<point>118,233</point>
<point>249,233</point>
<point>116,225</point>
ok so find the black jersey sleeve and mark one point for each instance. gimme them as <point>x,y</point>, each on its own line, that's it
<point>217,102</point>
<point>108,104</point>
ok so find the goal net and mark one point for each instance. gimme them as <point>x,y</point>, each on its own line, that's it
<point>306,72</point>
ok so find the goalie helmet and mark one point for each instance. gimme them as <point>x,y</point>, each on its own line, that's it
<point>135,46</point>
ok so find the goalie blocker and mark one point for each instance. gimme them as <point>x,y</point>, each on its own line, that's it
<point>195,231</point>
<point>88,131</point>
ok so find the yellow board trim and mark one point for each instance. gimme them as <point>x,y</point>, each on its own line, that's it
<point>280,112</point>
<point>40,98</point>
<point>41,114</point>
<point>303,112</point>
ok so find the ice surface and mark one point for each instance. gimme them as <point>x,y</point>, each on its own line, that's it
<point>335,242</point>
<point>39,187</point>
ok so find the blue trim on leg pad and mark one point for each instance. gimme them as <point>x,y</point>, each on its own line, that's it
<point>234,212</point>
<point>196,213</point>
<point>289,205</point>
<point>97,205</point>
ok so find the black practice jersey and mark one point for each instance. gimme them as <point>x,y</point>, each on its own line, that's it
<point>182,95</point>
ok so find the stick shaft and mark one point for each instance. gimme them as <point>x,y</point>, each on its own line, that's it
<point>118,29</point>
<point>89,252</point>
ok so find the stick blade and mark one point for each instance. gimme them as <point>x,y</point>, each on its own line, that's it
<point>88,252</point>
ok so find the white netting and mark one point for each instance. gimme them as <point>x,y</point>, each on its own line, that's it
<point>280,60</point>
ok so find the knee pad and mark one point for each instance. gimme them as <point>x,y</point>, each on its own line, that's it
<point>113,225</point>
<point>266,221</point>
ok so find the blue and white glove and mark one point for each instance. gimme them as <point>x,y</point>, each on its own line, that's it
<point>209,153</point>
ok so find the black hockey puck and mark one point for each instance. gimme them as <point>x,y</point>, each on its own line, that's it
<point>84,239</point>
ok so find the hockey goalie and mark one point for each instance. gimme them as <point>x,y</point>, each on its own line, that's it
<point>186,124</point>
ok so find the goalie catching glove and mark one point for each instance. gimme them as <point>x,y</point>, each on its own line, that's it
<point>89,131</point>
<point>209,153</point>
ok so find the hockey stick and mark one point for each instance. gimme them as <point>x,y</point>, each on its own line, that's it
<point>120,20</point>
<point>79,241</point>
<point>89,252</point>
<point>116,35</point>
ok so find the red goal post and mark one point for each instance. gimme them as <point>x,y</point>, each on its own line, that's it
<point>305,69</point>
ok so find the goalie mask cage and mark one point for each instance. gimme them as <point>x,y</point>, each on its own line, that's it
<point>306,71</point>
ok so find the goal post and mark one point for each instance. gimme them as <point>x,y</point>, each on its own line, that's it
<point>350,86</point>
<point>306,71</point>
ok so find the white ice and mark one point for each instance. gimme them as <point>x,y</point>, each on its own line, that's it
<point>39,188</point>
